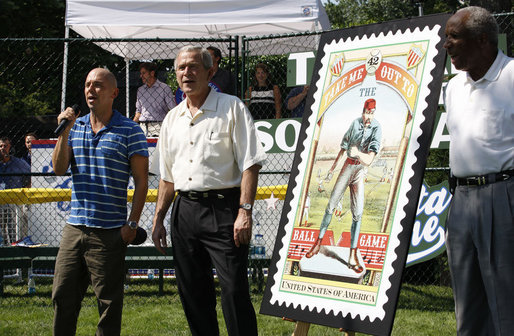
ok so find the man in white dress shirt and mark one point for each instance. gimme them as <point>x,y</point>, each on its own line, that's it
<point>209,153</point>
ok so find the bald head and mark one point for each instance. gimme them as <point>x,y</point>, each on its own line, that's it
<point>479,21</point>
<point>100,90</point>
<point>471,40</point>
<point>109,76</point>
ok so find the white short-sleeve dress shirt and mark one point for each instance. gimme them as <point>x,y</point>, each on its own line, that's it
<point>212,149</point>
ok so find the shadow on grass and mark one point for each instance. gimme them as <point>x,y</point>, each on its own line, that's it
<point>15,293</point>
<point>426,298</point>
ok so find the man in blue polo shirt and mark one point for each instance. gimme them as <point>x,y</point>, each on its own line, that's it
<point>103,149</point>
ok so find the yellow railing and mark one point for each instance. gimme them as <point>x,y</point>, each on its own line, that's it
<point>47,195</point>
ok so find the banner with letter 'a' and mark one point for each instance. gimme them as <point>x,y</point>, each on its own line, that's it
<point>352,197</point>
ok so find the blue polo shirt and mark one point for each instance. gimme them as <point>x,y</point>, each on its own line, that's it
<point>297,112</point>
<point>100,168</point>
<point>14,165</point>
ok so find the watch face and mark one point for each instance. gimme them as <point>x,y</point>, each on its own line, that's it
<point>246,206</point>
<point>132,224</point>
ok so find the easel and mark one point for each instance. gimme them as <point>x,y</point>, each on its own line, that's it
<point>302,328</point>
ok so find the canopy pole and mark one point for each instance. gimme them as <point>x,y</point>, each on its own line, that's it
<point>236,52</point>
<point>127,87</point>
<point>243,68</point>
<point>64,69</point>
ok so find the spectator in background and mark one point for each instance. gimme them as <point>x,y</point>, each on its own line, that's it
<point>265,101</point>
<point>222,79</point>
<point>11,164</point>
<point>8,165</point>
<point>29,137</point>
<point>295,101</point>
<point>154,100</point>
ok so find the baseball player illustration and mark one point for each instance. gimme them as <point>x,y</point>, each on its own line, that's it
<point>361,143</point>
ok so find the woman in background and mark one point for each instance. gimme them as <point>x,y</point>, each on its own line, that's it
<point>264,97</point>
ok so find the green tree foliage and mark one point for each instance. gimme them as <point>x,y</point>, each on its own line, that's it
<point>349,13</point>
<point>15,100</point>
<point>494,6</point>
<point>25,81</point>
<point>440,6</point>
<point>30,77</point>
<point>32,18</point>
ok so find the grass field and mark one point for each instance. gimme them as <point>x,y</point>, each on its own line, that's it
<point>422,310</point>
<point>375,199</point>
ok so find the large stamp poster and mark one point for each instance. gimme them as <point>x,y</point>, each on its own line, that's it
<point>353,192</point>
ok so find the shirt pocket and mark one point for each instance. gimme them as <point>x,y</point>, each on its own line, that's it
<point>217,147</point>
<point>490,125</point>
<point>113,147</point>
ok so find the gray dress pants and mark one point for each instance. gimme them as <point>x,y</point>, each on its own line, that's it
<point>480,245</point>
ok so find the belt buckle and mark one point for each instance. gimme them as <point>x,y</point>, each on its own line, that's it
<point>481,180</point>
<point>191,195</point>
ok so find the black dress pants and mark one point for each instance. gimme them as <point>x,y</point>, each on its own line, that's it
<point>202,236</point>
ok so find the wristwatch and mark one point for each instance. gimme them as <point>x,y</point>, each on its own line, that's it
<point>132,224</point>
<point>246,206</point>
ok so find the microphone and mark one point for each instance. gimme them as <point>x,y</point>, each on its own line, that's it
<point>65,122</point>
<point>140,236</point>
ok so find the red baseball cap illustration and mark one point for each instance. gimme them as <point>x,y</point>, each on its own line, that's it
<point>370,104</point>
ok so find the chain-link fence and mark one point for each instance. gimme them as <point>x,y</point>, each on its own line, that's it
<point>31,86</point>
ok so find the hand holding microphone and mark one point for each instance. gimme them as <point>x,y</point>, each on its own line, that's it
<point>68,115</point>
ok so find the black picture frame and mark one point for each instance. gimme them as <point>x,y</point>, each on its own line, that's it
<point>320,289</point>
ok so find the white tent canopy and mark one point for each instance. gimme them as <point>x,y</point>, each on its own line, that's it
<point>190,19</point>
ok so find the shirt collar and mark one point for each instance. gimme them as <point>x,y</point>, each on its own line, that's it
<point>154,85</point>
<point>210,103</point>
<point>115,120</point>
<point>494,70</point>
<point>12,162</point>
<point>6,164</point>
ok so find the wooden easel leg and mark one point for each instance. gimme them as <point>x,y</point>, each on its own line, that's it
<point>301,328</point>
